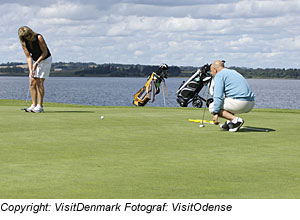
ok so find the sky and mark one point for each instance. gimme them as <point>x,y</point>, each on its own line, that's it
<point>244,33</point>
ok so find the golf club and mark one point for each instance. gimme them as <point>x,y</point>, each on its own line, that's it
<point>202,121</point>
<point>25,109</point>
<point>163,86</point>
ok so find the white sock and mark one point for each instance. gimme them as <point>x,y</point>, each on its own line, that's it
<point>235,120</point>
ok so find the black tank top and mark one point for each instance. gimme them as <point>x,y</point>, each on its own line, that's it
<point>35,50</point>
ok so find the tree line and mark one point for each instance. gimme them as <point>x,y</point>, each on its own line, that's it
<point>269,73</point>
<point>137,70</point>
<point>114,70</point>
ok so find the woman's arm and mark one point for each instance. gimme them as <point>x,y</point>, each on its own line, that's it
<point>44,49</point>
<point>29,61</point>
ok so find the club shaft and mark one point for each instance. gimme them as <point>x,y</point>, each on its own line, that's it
<point>27,96</point>
<point>205,106</point>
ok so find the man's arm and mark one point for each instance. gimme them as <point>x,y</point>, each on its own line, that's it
<point>218,93</point>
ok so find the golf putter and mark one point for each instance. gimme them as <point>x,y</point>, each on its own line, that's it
<point>202,121</point>
<point>25,109</point>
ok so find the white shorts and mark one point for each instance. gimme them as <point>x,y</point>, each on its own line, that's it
<point>43,68</point>
<point>234,106</point>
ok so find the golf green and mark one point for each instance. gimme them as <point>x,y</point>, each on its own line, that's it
<point>145,152</point>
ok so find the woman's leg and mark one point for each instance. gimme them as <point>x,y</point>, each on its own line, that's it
<point>40,90</point>
<point>33,91</point>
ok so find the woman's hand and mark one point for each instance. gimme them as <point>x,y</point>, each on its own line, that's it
<point>31,74</point>
<point>34,66</point>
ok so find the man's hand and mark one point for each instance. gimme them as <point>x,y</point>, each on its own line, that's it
<point>215,119</point>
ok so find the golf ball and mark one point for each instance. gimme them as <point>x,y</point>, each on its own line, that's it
<point>201,126</point>
<point>102,117</point>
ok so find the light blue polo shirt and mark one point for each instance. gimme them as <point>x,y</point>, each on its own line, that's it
<point>230,83</point>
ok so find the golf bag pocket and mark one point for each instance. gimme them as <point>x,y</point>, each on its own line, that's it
<point>147,93</point>
<point>151,87</point>
<point>189,90</point>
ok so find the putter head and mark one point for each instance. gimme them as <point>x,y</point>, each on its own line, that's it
<point>24,109</point>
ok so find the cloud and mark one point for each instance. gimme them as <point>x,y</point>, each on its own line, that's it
<point>172,3</point>
<point>184,32</point>
<point>68,10</point>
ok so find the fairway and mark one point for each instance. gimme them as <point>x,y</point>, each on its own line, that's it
<point>145,153</point>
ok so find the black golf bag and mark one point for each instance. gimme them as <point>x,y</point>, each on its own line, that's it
<point>189,90</point>
<point>151,88</point>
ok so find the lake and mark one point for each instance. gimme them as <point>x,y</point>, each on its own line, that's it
<point>117,91</point>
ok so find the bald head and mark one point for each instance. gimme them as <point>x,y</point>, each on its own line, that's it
<point>218,64</point>
<point>216,67</point>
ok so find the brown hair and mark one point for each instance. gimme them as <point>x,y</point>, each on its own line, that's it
<point>24,32</point>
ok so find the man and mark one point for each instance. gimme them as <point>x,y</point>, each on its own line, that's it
<point>232,95</point>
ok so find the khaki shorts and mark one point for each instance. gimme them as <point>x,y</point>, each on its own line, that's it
<point>43,68</point>
<point>235,106</point>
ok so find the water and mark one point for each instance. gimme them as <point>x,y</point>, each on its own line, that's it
<point>270,93</point>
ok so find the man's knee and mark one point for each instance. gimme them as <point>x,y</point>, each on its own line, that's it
<point>211,107</point>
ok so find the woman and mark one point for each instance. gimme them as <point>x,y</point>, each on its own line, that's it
<point>39,62</point>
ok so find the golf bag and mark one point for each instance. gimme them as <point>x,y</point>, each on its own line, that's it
<point>151,88</point>
<point>188,90</point>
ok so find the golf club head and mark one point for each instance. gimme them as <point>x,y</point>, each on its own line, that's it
<point>24,109</point>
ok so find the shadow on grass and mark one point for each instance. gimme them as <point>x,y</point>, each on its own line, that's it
<point>255,129</point>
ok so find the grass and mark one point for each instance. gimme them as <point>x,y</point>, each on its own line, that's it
<point>148,152</point>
